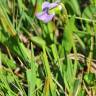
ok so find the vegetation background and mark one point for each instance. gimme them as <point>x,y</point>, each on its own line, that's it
<point>53,59</point>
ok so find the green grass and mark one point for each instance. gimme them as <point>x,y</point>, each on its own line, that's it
<point>53,59</point>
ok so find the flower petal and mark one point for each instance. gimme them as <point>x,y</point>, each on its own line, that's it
<point>45,5</point>
<point>52,5</point>
<point>49,5</point>
<point>44,17</point>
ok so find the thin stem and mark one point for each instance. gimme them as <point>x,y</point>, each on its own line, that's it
<point>85,19</point>
<point>89,62</point>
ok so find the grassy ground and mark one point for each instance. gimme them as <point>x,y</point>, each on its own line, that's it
<point>57,58</point>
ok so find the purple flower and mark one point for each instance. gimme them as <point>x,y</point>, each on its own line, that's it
<point>44,15</point>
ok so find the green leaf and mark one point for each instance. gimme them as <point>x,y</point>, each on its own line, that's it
<point>74,5</point>
<point>31,79</point>
<point>6,61</point>
<point>33,2</point>
<point>5,21</point>
<point>89,78</point>
<point>68,34</point>
<point>90,12</point>
<point>82,93</point>
<point>38,41</point>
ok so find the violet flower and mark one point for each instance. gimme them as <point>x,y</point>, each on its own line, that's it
<point>44,15</point>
